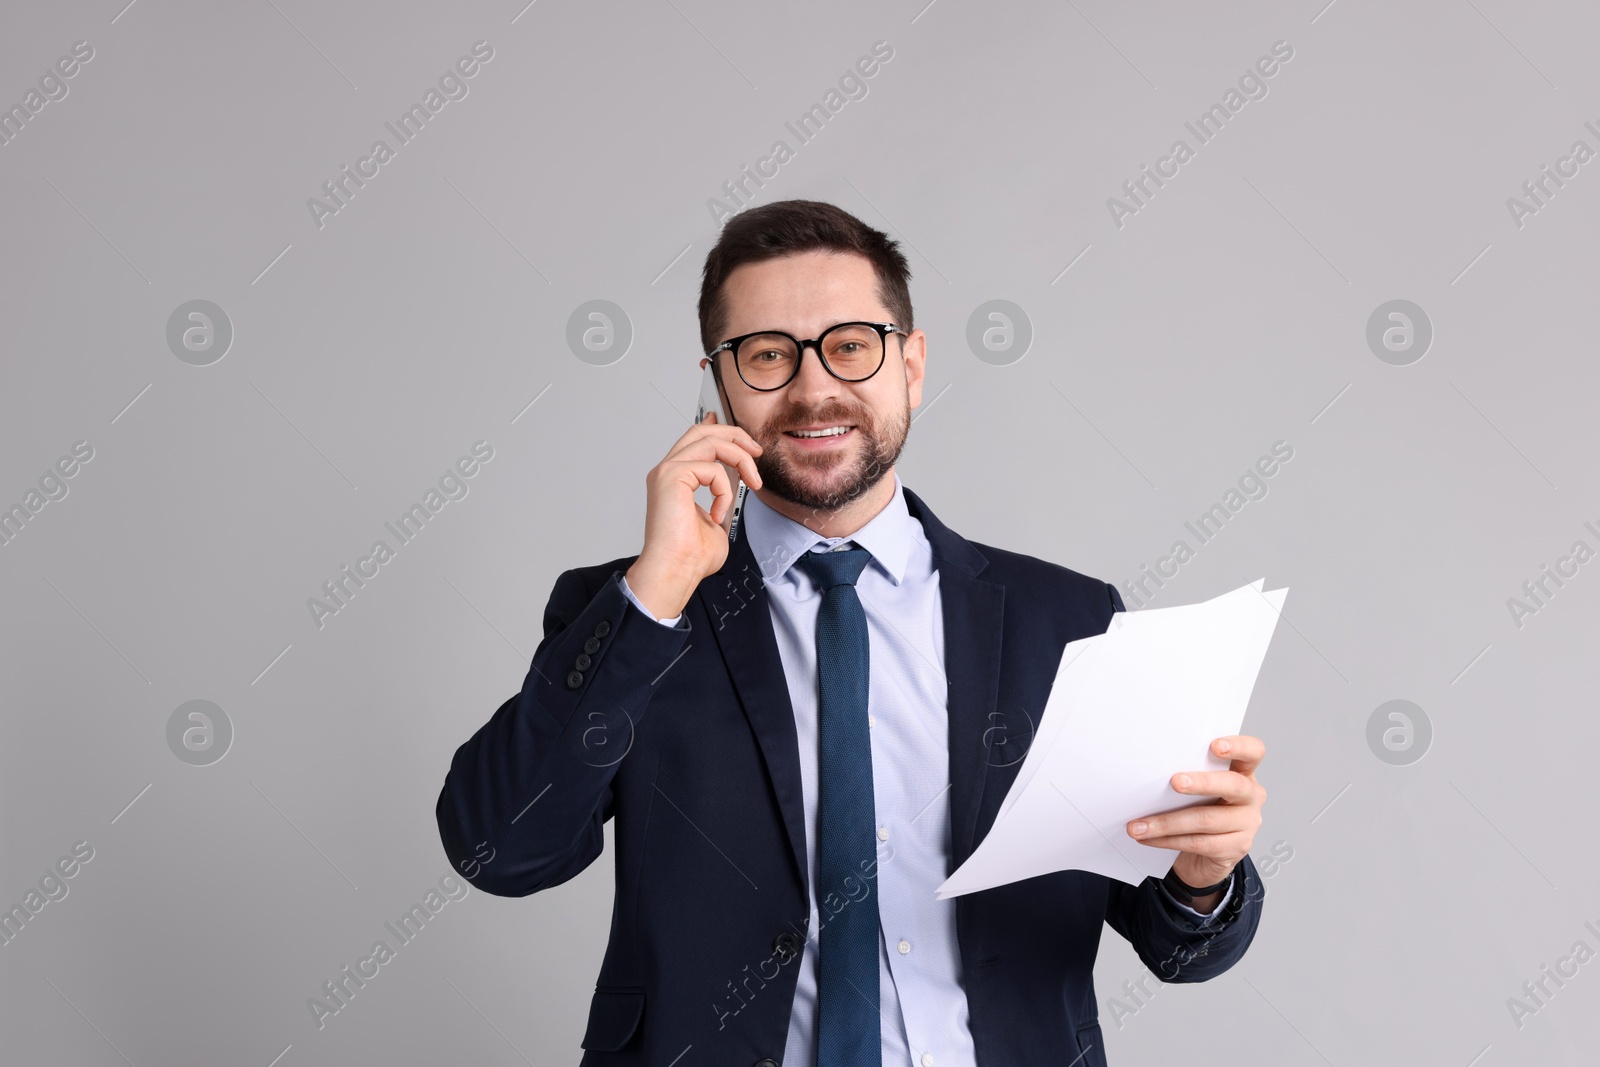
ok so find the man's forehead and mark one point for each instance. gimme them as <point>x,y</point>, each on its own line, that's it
<point>802,293</point>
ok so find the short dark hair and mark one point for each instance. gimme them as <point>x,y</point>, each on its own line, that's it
<point>789,226</point>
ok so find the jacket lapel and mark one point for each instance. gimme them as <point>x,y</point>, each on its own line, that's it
<point>735,601</point>
<point>973,611</point>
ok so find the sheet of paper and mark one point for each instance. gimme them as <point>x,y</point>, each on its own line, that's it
<point>1068,684</point>
<point>1129,708</point>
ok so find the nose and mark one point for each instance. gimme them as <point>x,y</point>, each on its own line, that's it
<point>812,380</point>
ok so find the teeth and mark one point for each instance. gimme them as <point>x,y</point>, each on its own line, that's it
<point>832,431</point>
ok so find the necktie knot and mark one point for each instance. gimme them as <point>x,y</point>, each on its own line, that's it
<point>839,567</point>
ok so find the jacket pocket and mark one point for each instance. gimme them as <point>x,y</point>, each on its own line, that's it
<point>1091,1049</point>
<point>614,1015</point>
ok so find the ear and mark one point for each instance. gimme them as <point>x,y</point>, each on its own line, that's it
<point>916,358</point>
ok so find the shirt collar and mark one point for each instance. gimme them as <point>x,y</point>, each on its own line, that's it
<point>777,540</point>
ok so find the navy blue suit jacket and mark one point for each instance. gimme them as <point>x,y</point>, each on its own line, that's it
<point>685,736</point>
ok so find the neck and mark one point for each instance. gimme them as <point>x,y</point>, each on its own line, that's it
<point>841,522</point>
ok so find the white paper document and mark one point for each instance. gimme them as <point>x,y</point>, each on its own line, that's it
<point>1129,709</point>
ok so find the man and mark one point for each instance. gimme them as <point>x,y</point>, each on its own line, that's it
<point>802,731</point>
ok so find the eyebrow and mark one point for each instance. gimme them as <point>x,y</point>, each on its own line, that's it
<point>836,322</point>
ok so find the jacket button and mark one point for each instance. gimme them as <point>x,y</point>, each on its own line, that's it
<point>574,679</point>
<point>786,945</point>
<point>592,645</point>
<point>766,1062</point>
<point>602,628</point>
<point>582,662</point>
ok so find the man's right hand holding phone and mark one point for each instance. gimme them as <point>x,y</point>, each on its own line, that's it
<point>682,542</point>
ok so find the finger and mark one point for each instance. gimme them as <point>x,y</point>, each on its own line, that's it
<point>729,452</point>
<point>1244,752</point>
<point>1230,786</point>
<point>1212,846</point>
<point>704,472</point>
<point>705,428</point>
<point>707,439</point>
<point>721,494</point>
<point>1200,819</point>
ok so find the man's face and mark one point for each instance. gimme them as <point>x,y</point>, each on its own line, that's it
<point>804,294</point>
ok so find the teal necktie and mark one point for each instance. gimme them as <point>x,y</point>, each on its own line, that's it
<point>848,1032</point>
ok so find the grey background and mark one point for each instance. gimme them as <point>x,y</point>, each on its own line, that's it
<point>1229,313</point>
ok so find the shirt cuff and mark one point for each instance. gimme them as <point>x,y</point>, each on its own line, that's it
<point>629,594</point>
<point>1203,918</point>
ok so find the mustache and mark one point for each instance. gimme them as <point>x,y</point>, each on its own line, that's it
<point>826,416</point>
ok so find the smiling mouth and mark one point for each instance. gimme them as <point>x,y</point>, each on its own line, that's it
<point>819,435</point>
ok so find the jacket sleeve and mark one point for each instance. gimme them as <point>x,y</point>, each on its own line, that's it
<point>525,799</point>
<point>1175,946</point>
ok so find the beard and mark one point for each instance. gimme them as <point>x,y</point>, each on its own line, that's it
<point>829,480</point>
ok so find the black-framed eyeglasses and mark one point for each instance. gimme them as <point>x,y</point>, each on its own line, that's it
<point>850,351</point>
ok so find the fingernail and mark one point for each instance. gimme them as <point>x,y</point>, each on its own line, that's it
<point>1183,781</point>
<point>1139,828</point>
<point>1224,747</point>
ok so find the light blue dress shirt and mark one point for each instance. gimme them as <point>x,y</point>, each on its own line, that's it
<point>923,1007</point>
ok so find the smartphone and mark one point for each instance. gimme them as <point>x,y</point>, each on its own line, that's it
<point>711,400</point>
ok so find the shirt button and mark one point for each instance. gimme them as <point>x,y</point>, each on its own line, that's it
<point>927,1059</point>
<point>883,833</point>
<point>904,947</point>
<point>871,721</point>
